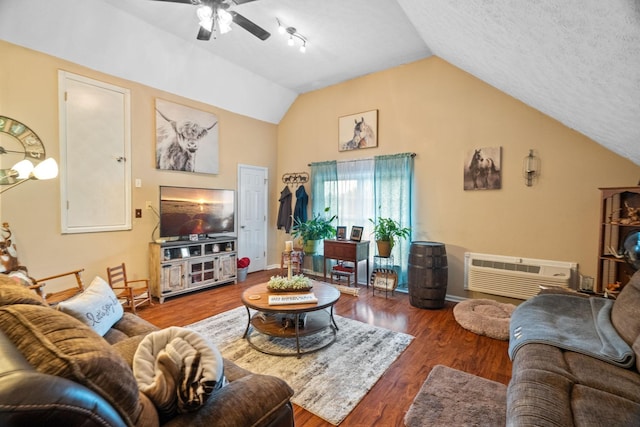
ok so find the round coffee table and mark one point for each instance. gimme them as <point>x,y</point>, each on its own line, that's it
<point>268,319</point>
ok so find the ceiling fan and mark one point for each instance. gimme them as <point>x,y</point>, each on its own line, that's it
<point>216,12</point>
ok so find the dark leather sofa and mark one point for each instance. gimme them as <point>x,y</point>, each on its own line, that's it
<point>77,393</point>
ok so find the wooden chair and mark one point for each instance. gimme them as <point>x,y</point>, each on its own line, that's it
<point>55,297</point>
<point>131,296</point>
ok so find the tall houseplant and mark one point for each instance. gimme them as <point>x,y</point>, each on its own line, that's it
<point>313,230</point>
<point>386,231</point>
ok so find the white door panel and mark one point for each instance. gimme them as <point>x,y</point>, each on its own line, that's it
<point>252,215</point>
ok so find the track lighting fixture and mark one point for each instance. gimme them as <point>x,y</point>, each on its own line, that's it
<point>293,35</point>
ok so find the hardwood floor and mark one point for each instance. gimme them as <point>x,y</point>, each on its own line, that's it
<point>439,340</point>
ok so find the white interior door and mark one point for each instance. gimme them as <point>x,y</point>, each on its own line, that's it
<point>252,215</point>
<point>95,151</point>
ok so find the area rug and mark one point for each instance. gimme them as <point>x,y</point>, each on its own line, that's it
<point>454,398</point>
<point>328,383</point>
<point>484,317</point>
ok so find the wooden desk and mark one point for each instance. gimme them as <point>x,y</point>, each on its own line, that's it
<point>346,250</point>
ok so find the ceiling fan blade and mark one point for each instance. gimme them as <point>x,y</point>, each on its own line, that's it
<point>203,34</point>
<point>242,1</point>
<point>250,26</point>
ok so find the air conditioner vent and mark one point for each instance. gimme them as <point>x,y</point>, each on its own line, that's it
<point>515,277</point>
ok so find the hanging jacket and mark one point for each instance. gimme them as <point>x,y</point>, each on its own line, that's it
<point>284,211</point>
<point>300,211</point>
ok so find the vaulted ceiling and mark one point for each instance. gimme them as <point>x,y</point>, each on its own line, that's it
<point>577,61</point>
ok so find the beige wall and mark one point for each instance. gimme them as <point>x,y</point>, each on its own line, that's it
<point>440,112</point>
<point>28,92</point>
<point>428,107</point>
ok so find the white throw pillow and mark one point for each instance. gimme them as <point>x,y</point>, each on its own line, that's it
<point>97,306</point>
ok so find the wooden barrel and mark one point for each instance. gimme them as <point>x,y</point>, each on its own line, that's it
<point>428,274</point>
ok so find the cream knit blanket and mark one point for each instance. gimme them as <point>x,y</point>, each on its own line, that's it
<point>177,369</point>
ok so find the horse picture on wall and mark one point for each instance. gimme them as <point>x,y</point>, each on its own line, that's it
<point>358,131</point>
<point>482,169</point>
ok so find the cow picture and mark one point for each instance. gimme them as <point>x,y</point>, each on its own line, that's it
<point>186,139</point>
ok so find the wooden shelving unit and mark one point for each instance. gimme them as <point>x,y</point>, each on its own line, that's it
<point>616,222</point>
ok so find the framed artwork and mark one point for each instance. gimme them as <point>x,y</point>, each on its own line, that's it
<point>358,131</point>
<point>356,233</point>
<point>341,232</point>
<point>483,169</point>
<point>186,139</point>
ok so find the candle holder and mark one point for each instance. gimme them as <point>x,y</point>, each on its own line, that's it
<point>289,265</point>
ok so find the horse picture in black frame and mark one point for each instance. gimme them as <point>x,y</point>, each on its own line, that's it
<point>482,170</point>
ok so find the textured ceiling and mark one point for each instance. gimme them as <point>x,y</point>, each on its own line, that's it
<point>575,60</point>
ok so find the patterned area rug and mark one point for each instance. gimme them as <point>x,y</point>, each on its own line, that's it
<point>328,383</point>
<point>454,398</point>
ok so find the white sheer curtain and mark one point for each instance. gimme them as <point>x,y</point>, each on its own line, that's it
<point>356,201</point>
<point>356,195</point>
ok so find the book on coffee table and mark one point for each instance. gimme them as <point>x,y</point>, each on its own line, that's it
<point>292,299</point>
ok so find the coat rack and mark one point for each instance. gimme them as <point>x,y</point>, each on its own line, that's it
<point>295,178</point>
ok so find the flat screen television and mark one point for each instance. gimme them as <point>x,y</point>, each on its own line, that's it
<point>207,212</point>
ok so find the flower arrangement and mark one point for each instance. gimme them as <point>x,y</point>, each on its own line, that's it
<point>243,262</point>
<point>282,284</point>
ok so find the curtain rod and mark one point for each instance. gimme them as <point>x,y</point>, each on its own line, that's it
<point>358,160</point>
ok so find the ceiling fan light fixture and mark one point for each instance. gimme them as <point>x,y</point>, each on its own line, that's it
<point>303,47</point>
<point>224,21</point>
<point>205,16</point>
<point>290,41</point>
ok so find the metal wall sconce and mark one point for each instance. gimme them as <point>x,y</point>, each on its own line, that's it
<point>531,168</point>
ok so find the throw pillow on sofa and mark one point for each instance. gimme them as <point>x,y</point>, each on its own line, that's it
<point>57,344</point>
<point>97,307</point>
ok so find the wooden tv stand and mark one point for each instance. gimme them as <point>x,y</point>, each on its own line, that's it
<point>184,266</point>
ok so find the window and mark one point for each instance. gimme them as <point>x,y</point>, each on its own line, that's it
<point>358,190</point>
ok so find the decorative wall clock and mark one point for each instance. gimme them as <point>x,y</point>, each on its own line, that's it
<point>23,144</point>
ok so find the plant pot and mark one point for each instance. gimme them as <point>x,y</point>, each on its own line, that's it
<point>384,247</point>
<point>311,247</point>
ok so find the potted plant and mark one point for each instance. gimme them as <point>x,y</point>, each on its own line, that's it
<point>313,230</point>
<point>386,231</point>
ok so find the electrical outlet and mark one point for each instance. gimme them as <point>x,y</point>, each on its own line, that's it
<point>148,204</point>
<point>138,213</point>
